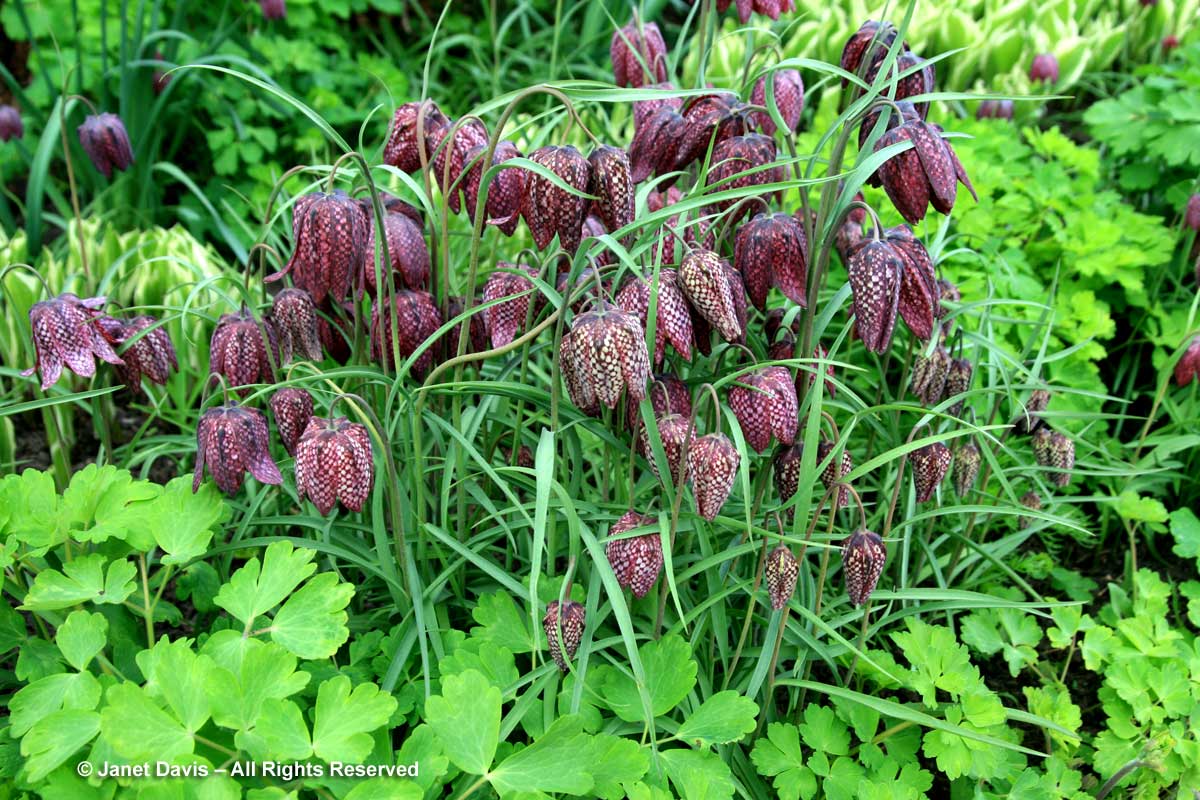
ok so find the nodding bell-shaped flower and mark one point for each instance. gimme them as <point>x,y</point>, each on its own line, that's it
<point>1032,501</point>
<point>835,470</point>
<point>736,163</point>
<point>294,319</point>
<point>655,146</point>
<point>231,440</point>
<point>764,402</point>
<point>643,109</point>
<point>605,355</point>
<point>713,462</point>
<point>966,467</point>
<point>958,381</point>
<point>891,277</point>
<point>612,184</point>
<point>786,470</point>
<point>477,335</point>
<point>789,99</point>
<point>292,409</point>
<point>406,252</point>
<point>506,191</point>
<point>926,174</point>
<point>868,45</point>
<point>106,142</point>
<point>1191,214</point>
<point>334,463</point>
<point>330,236</point>
<point>673,321</point>
<point>639,55</point>
<point>549,210</point>
<point>711,118</point>
<point>863,557</point>
<point>771,250</point>
<point>66,331</point>
<point>1030,418</point>
<point>273,9</point>
<point>1187,369</point>
<point>11,126</point>
<point>243,350</point>
<point>150,354</point>
<point>929,464</point>
<point>781,572</point>
<point>704,279</point>
<point>417,320</point>
<point>673,431</point>
<point>636,561</point>
<point>506,318</point>
<point>1057,450</point>
<point>994,109</point>
<point>564,631</point>
<point>1044,68</point>
<point>769,8</point>
<point>404,144</point>
<point>453,145</point>
<point>929,375</point>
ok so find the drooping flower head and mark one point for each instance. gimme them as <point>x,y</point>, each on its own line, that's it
<point>781,572</point>
<point>863,557</point>
<point>232,440</point>
<point>612,185</point>
<point>148,352</point>
<point>505,193</point>
<point>417,319</point>
<point>11,126</point>
<point>413,127</point>
<point>1044,68</point>
<point>636,561</point>
<point>65,331</point>
<point>929,464</point>
<point>564,631</point>
<point>406,252</point>
<point>549,210</point>
<point>764,402</point>
<point>606,348</point>
<point>705,283</point>
<point>771,250</point>
<point>106,142</point>
<point>334,463</point>
<point>294,319</point>
<point>504,319</point>
<point>243,350</point>
<point>673,321</point>
<point>453,145</point>
<point>788,88</point>
<point>639,55</point>
<point>713,462</point>
<point>292,409</point>
<point>329,233</point>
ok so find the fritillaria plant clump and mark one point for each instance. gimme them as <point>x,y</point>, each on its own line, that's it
<point>511,316</point>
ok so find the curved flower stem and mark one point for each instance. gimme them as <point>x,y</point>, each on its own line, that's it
<point>862,640</point>
<point>31,270</point>
<point>731,214</point>
<point>334,169</point>
<point>62,131</point>
<point>751,602</point>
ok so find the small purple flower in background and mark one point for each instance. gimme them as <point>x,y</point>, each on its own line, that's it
<point>273,9</point>
<point>294,319</point>
<point>150,355</point>
<point>106,142</point>
<point>637,52</point>
<point>66,331</point>
<point>1188,367</point>
<point>1044,69</point>
<point>11,126</point>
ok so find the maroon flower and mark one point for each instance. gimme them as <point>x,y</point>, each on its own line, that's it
<point>710,118</point>
<point>232,440</point>
<point>835,470</point>
<point>655,144</point>
<point>568,630</point>
<point>607,355</point>
<point>336,330</point>
<point>781,572</point>
<point>504,319</point>
<point>875,271</point>
<point>106,142</point>
<point>673,322</point>
<point>639,55</point>
<point>403,148</point>
<point>292,409</point>
<point>506,191</point>
<point>1170,42</point>
<point>713,462</point>
<point>929,375</point>
<point>967,460</point>
<point>673,432</point>
<point>771,250</point>
<point>736,164</point>
<point>1191,217</point>
<point>406,251</point>
<point>764,402</point>
<point>1030,419</point>
<point>644,109</point>
<point>330,234</point>
<point>930,464</point>
<point>453,145</point>
<point>1057,450</point>
<point>549,210</point>
<point>477,335</point>
<point>667,395</point>
<point>994,109</point>
<point>148,352</point>
<point>1044,68</point>
<point>65,331</point>
<point>243,350</point>
<point>705,283</point>
<point>863,557</point>
<point>636,561</point>
<point>958,382</point>
<point>789,99</point>
<point>867,46</point>
<point>770,8</point>
<point>613,187</point>
<point>273,9</point>
<point>1187,369</point>
<point>334,462</point>
<point>416,320</point>
<point>1032,501</point>
<point>294,318</point>
<point>926,174</point>
<point>918,301</point>
<point>786,470</point>
<point>11,126</point>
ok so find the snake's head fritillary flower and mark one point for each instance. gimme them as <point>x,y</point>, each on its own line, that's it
<point>453,145</point>
<point>612,184</point>
<point>506,318</point>
<point>789,99</point>
<point>771,250</point>
<point>1030,418</point>
<point>781,572</point>
<point>918,302</point>
<point>417,319</point>
<point>636,561</point>
<point>667,395</point>
<point>1057,450</point>
<point>713,118</point>
<point>406,251</point>
<point>639,55</point>
<point>231,440</point>
<point>930,374</point>
<point>505,193</point>
<point>673,432</point>
<point>1044,68</point>
<point>294,318</point>
<point>273,9</point>
<point>768,8</point>
<point>994,109</point>
<point>549,210</point>
<point>477,335</point>
<point>11,126</point>
<point>1169,43</point>
<point>106,142</point>
<point>967,460</point>
<point>926,174</point>
<point>644,109</point>
<point>148,352</point>
<point>1187,369</point>
<point>66,331</point>
<point>705,283</point>
<point>334,463</point>
<point>1032,501</point>
<point>786,470</point>
<point>673,321</point>
<point>930,464</point>
<point>335,329</point>
<point>863,557</point>
<point>764,402</point>
<point>712,461</point>
<point>868,45</point>
<point>655,145</point>
<point>739,162</point>
<point>607,348</point>
<point>564,631</point>
<point>292,409</point>
<point>413,128</point>
<point>835,470</point>
<point>330,234</point>
<point>958,382</point>
<point>1191,215</point>
<point>876,270</point>
<point>243,350</point>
